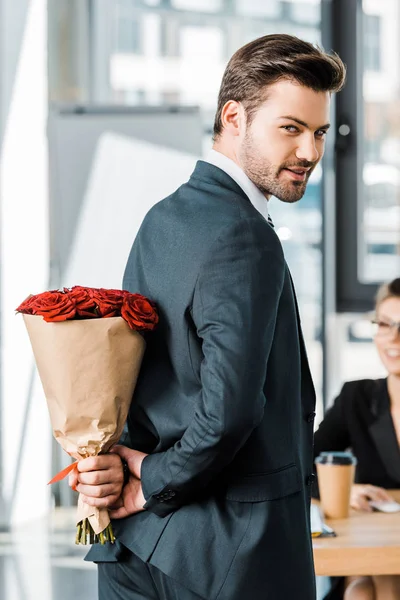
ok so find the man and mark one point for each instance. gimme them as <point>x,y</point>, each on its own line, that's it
<point>221,425</point>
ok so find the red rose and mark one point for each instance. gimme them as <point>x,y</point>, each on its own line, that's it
<point>83,300</point>
<point>139,296</point>
<point>27,306</point>
<point>109,302</point>
<point>139,312</point>
<point>54,306</point>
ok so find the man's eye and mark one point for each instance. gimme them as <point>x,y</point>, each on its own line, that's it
<point>383,325</point>
<point>321,133</point>
<point>290,128</point>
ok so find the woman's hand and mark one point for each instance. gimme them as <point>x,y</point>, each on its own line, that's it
<point>361,494</point>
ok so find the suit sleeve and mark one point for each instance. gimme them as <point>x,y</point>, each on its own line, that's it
<point>234,310</point>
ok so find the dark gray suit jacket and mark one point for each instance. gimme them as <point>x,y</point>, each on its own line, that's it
<point>224,404</point>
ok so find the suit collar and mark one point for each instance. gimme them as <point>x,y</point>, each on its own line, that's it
<point>227,165</point>
<point>382,430</point>
<point>208,173</point>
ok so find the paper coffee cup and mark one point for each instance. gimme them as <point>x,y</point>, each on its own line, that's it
<point>335,471</point>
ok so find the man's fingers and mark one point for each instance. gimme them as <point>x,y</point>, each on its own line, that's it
<point>100,502</point>
<point>97,463</point>
<point>101,477</point>
<point>99,491</point>
<point>117,504</point>
<point>73,479</point>
<point>119,513</point>
<point>122,451</point>
<point>134,458</point>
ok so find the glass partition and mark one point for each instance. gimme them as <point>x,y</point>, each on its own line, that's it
<point>379,204</point>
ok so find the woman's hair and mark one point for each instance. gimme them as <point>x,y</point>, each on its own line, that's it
<point>387,290</point>
<point>270,58</point>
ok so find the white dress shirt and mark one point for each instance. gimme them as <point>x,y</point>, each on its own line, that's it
<point>227,165</point>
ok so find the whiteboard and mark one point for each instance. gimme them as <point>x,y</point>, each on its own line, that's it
<point>128,177</point>
<point>85,145</point>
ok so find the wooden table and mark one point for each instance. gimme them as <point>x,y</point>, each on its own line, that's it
<point>366,544</point>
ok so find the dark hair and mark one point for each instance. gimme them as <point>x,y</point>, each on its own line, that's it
<point>267,59</point>
<point>388,290</point>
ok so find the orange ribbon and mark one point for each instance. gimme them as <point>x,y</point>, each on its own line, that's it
<point>63,473</point>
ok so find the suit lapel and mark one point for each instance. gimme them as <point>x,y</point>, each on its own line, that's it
<point>383,433</point>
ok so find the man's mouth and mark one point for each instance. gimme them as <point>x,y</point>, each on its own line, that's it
<point>297,173</point>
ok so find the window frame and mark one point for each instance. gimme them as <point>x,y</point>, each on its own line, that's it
<point>352,295</point>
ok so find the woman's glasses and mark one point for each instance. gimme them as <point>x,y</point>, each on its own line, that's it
<point>385,328</point>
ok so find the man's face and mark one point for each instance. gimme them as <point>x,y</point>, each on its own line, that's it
<point>285,141</point>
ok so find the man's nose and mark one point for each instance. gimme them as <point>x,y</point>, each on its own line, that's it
<point>307,150</point>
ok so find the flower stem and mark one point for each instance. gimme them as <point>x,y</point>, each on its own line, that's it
<point>85,534</point>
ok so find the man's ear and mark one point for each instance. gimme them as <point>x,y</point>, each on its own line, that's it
<point>232,117</point>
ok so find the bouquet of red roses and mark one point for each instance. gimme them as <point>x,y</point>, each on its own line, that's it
<point>88,350</point>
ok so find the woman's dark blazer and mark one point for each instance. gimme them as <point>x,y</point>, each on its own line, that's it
<point>360,419</point>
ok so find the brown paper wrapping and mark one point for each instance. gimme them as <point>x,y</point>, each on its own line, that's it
<point>88,369</point>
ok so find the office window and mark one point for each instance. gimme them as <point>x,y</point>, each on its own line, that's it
<point>306,11</point>
<point>128,34</point>
<point>368,150</point>
<point>372,42</point>
<point>198,5</point>
<point>364,248</point>
<point>380,193</point>
<point>255,8</point>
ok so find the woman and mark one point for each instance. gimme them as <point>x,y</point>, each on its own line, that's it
<point>366,418</point>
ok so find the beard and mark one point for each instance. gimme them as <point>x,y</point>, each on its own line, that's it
<point>265,175</point>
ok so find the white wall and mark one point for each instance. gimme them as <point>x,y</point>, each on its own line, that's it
<point>25,442</point>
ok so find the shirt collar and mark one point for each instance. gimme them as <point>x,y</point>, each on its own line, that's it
<point>226,164</point>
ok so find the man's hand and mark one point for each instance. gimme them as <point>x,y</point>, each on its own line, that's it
<point>134,458</point>
<point>361,495</point>
<point>99,479</point>
<point>131,501</point>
